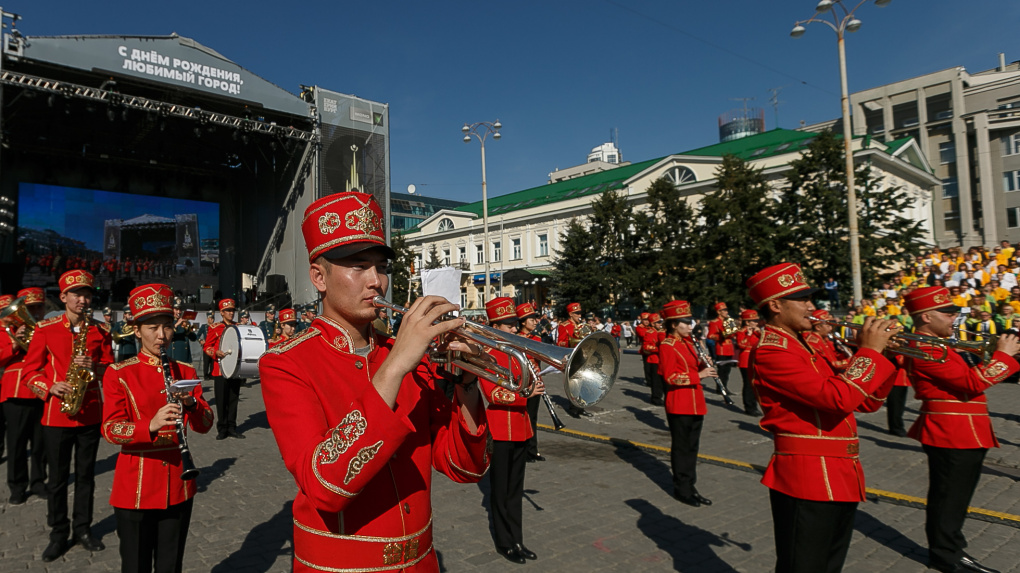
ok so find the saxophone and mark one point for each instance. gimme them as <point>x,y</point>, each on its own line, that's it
<point>78,377</point>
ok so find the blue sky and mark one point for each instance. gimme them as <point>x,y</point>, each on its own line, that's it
<point>559,74</point>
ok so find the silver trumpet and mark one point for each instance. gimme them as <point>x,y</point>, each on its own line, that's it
<point>589,369</point>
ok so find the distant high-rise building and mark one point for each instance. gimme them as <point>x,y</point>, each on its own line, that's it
<point>607,152</point>
<point>741,122</point>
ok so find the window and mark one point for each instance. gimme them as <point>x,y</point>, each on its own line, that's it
<point>680,175</point>
<point>446,257</point>
<point>543,245</point>
<point>497,252</point>
<point>462,254</point>
<point>1010,144</point>
<point>1011,181</point>
<point>947,152</point>
<point>463,299</point>
<point>517,249</point>
<point>479,254</point>
<point>445,225</point>
<point>1013,217</point>
<point>950,188</point>
<point>480,301</point>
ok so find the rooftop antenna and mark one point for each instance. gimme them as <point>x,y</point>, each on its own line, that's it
<point>774,101</point>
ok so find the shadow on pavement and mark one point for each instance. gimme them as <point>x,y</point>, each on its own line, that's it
<point>889,537</point>
<point>106,464</point>
<point>263,544</point>
<point>688,545</point>
<point>656,470</point>
<point>648,418</point>
<point>211,473</point>
<point>752,427</point>
<point>255,420</point>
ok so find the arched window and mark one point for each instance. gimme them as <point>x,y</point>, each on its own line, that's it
<point>445,225</point>
<point>680,176</point>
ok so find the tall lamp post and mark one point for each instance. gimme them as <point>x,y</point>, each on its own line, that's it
<point>843,20</point>
<point>482,130</point>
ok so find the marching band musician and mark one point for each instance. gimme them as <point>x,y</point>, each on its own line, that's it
<point>527,318</point>
<point>567,336</point>
<point>814,477</point>
<point>682,372</point>
<point>126,347</point>
<point>724,351</point>
<point>10,351</point>
<point>287,322</point>
<point>226,390</point>
<point>650,339</point>
<point>953,427</point>
<point>268,326</point>
<point>511,429</point>
<point>23,410</point>
<point>184,334</point>
<point>747,339</point>
<point>49,357</point>
<point>153,513</point>
<point>818,339</point>
<point>357,416</point>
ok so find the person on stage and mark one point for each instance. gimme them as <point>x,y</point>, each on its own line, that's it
<point>226,390</point>
<point>569,334</point>
<point>527,318</point>
<point>511,429</point>
<point>73,435</point>
<point>814,477</point>
<point>747,339</point>
<point>725,353</point>
<point>287,323</point>
<point>682,372</point>
<point>953,426</point>
<point>151,503</point>
<point>26,474</point>
<point>357,416</point>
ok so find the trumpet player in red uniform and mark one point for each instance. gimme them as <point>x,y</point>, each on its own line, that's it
<point>357,415</point>
<point>746,340</point>
<point>511,429</point>
<point>724,350</point>
<point>814,477</point>
<point>818,338</point>
<point>953,427</point>
<point>650,338</point>
<point>527,318</point>
<point>568,334</point>
<point>151,502</point>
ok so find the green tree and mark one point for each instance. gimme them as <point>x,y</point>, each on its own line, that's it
<point>735,225</point>
<point>433,262</point>
<point>812,218</point>
<point>401,269</point>
<point>612,224</point>
<point>577,276</point>
<point>664,247</point>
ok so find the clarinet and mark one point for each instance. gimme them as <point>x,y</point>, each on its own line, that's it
<point>189,471</point>
<point>704,357</point>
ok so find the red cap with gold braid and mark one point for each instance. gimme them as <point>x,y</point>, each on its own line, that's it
<point>6,301</point>
<point>227,304</point>
<point>676,309</point>
<point>33,295</point>
<point>526,310</point>
<point>574,307</point>
<point>287,315</point>
<point>929,298</point>
<point>75,279</point>
<point>822,314</point>
<point>344,224</point>
<point>654,317</point>
<point>644,316</point>
<point>720,306</point>
<point>784,280</point>
<point>151,300</point>
<point>749,315</point>
<point>501,308</point>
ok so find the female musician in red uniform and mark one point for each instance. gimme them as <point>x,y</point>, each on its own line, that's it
<point>528,317</point>
<point>288,324</point>
<point>151,502</point>
<point>651,337</point>
<point>681,371</point>
<point>747,338</point>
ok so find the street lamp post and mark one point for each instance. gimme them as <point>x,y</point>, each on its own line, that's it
<point>482,130</point>
<point>840,25</point>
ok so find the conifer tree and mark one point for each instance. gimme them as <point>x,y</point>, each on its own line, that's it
<point>577,276</point>
<point>612,224</point>
<point>433,262</point>
<point>664,250</point>
<point>402,268</point>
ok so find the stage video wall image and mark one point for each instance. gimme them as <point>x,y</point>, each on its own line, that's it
<point>124,239</point>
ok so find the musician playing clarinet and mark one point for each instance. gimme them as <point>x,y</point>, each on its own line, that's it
<point>151,503</point>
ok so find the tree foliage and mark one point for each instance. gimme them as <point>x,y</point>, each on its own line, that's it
<point>665,251</point>
<point>577,276</point>
<point>433,262</point>
<point>402,269</point>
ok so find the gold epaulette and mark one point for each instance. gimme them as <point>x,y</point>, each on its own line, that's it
<point>772,339</point>
<point>668,342</point>
<point>124,363</point>
<point>182,363</point>
<point>308,334</point>
<point>103,326</point>
<point>50,321</point>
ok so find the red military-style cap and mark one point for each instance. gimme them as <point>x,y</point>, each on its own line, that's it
<point>33,295</point>
<point>344,224</point>
<point>821,314</point>
<point>930,298</point>
<point>676,309</point>
<point>151,300</point>
<point>574,307</point>
<point>287,315</point>
<point>526,310</point>
<point>654,317</point>
<point>75,279</point>
<point>749,315</point>
<point>644,316</point>
<point>6,300</point>
<point>784,280</point>
<point>500,309</point>
<point>720,306</point>
<point>227,304</point>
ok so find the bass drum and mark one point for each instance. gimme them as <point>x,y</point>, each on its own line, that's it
<point>244,345</point>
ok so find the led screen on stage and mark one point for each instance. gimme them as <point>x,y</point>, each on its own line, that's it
<point>124,239</point>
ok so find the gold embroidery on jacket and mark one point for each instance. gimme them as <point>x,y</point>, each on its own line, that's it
<point>364,456</point>
<point>341,438</point>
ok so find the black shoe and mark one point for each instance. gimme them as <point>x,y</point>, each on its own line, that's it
<point>234,434</point>
<point>54,550</point>
<point>899,433</point>
<point>89,543</point>
<point>967,563</point>
<point>755,412</point>
<point>221,436</point>
<point>701,499</point>
<point>586,413</point>
<point>687,499</point>
<point>18,498</point>
<point>538,458</point>
<point>525,552</point>
<point>511,554</point>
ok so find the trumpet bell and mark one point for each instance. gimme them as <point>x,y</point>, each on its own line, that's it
<point>591,370</point>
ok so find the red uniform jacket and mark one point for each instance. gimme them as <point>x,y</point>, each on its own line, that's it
<point>809,411</point>
<point>564,332</point>
<point>650,340</point>
<point>723,345</point>
<point>838,362</point>
<point>11,360</point>
<point>212,344</point>
<point>746,342</point>
<point>278,341</point>
<point>954,408</point>
<point>639,331</point>
<point>679,367</point>
<point>148,474</point>
<point>362,469</point>
<point>48,357</point>
<point>507,413</point>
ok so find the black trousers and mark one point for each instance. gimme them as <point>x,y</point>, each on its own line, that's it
<point>653,379</point>
<point>61,444</point>
<point>534,403</point>
<point>811,536</point>
<point>685,434</point>
<point>506,487</point>
<point>747,394</point>
<point>23,416</point>
<point>153,535</point>
<point>228,394</point>
<point>206,365</point>
<point>952,477</point>
<point>895,404</point>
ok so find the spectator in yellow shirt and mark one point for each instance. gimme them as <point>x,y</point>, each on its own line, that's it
<point>960,298</point>
<point>1000,294</point>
